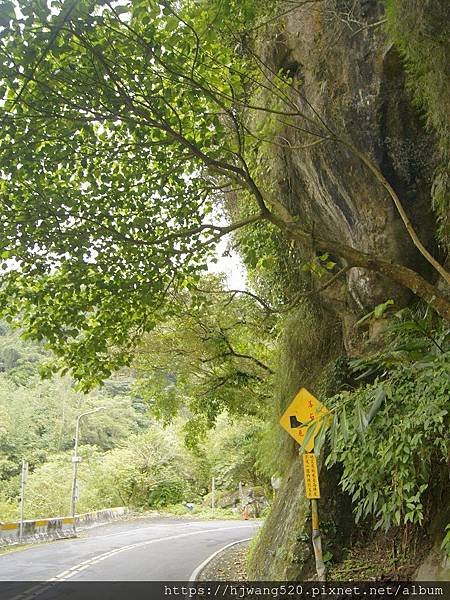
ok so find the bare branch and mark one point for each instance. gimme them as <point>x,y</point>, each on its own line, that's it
<point>246,356</point>
<point>258,299</point>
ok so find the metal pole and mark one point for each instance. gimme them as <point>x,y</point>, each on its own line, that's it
<point>22,496</point>
<point>75,472</point>
<point>317,542</point>
<point>75,461</point>
<point>213,493</point>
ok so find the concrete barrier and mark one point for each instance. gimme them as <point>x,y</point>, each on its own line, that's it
<point>54,528</point>
<point>105,515</point>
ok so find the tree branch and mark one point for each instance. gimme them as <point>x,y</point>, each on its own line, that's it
<point>239,355</point>
<point>355,258</point>
<point>401,211</point>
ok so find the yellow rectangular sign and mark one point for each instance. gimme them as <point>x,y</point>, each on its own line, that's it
<point>303,409</point>
<point>311,475</point>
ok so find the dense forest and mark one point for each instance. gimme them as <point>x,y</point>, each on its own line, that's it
<point>313,137</point>
<point>130,458</point>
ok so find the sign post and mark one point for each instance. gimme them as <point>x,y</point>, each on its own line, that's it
<point>312,489</point>
<point>303,419</point>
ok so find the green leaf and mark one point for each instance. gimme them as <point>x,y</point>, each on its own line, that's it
<point>320,437</point>
<point>344,423</point>
<point>361,418</point>
<point>334,433</point>
<point>381,308</point>
<point>380,396</point>
<point>309,434</point>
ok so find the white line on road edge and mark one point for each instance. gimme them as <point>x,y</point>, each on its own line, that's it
<point>100,557</point>
<point>38,589</point>
<point>196,572</point>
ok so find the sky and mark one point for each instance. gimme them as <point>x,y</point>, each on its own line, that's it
<point>231,266</point>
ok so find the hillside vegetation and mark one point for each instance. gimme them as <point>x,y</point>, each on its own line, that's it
<point>128,457</point>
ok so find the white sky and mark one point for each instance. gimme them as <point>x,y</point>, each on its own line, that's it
<point>231,266</point>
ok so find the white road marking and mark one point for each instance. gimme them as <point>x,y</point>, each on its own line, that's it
<point>65,575</point>
<point>133,531</point>
<point>37,590</point>
<point>195,573</point>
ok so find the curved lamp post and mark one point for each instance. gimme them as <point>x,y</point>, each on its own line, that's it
<point>76,459</point>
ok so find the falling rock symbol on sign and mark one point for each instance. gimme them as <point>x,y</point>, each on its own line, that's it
<point>304,409</point>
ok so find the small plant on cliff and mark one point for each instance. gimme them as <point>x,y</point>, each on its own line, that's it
<point>388,464</point>
<point>421,31</point>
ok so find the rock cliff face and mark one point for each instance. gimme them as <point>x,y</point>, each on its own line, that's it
<point>344,67</point>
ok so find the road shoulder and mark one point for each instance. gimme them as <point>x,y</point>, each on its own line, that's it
<point>229,564</point>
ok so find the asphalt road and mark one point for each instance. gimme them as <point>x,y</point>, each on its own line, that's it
<point>157,549</point>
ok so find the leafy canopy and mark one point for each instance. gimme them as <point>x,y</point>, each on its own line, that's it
<point>117,141</point>
<point>216,355</point>
<point>124,124</point>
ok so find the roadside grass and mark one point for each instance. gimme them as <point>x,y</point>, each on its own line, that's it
<point>201,512</point>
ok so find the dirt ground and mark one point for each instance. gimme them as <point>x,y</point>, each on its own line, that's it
<point>229,565</point>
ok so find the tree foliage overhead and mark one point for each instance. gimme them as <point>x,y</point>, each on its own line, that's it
<point>208,359</point>
<point>123,125</point>
<point>108,204</point>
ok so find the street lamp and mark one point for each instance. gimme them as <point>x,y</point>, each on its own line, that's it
<point>76,459</point>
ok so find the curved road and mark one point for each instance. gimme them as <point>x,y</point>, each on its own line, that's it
<point>156,549</point>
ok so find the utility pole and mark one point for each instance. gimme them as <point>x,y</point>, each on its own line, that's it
<point>75,460</point>
<point>213,494</point>
<point>23,481</point>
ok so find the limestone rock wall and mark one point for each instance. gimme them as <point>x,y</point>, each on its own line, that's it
<point>348,75</point>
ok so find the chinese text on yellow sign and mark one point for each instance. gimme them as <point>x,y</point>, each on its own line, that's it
<point>303,409</point>
<point>311,476</point>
